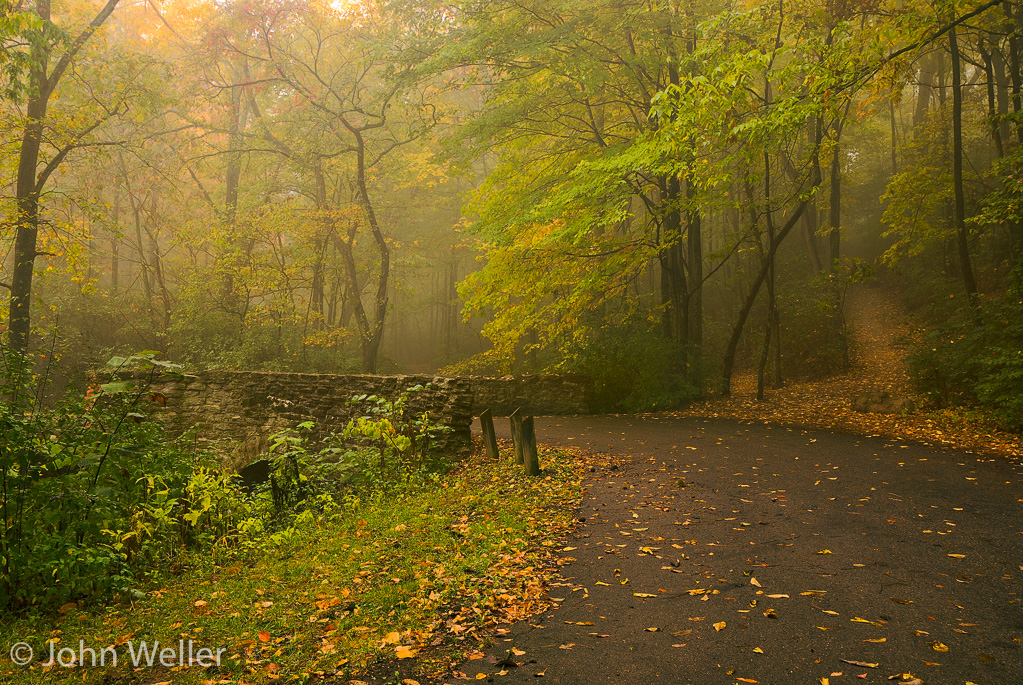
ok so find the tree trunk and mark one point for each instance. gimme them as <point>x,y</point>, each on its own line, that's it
<point>1001,94</point>
<point>965,266</point>
<point>747,306</point>
<point>835,210</point>
<point>924,90</point>
<point>771,303</point>
<point>27,206</point>
<point>371,342</point>
<point>1014,62</point>
<point>694,308</point>
<point>30,182</point>
<point>992,107</point>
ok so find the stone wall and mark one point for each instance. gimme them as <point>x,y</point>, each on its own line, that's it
<point>540,394</point>
<point>248,406</point>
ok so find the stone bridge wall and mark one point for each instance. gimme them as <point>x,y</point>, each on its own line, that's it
<point>540,394</point>
<point>248,406</point>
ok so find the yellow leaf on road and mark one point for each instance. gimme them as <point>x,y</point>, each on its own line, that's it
<point>403,652</point>
<point>857,619</point>
<point>719,626</point>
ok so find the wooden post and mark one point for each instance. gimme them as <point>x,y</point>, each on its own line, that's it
<point>528,436</point>
<point>516,431</point>
<point>489,434</point>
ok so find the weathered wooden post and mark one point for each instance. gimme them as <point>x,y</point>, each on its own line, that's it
<point>529,454</point>
<point>516,432</point>
<point>489,434</point>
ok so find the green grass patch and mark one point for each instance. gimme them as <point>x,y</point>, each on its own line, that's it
<point>404,578</point>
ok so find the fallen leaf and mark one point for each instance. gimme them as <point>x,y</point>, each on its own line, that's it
<point>958,556</point>
<point>517,652</point>
<point>758,650</point>
<point>857,619</point>
<point>600,582</point>
<point>825,681</point>
<point>830,612</point>
<point>392,638</point>
<point>880,639</point>
<point>861,664</point>
<point>652,630</point>
<point>481,676</point>
<point>264,636</point>
<point>719,626</point>
<point>403,652</point>
<point>540,674</point>
<point>746,680</point>
<point>642,594</point>
<point>939,646</point>
<point>200,603</point>
<point>778,596</point>
<point>824,551</point>
<point>754,582</point>
<point>568,549</point>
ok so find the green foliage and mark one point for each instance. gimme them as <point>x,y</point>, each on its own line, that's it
<point>86,489</point>
<point>955,362</point>
<point>632,367</point>
<point>18,32</point>
<point>814,334</point>
<point>388,444</point>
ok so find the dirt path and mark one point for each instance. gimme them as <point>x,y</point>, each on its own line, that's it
<point>877,366</point>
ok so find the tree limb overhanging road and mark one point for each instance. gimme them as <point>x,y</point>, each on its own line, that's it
<point>722,551</point>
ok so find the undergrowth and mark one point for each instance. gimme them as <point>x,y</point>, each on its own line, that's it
<point>357,583</point>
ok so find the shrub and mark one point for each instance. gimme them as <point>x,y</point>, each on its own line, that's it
<point>92,492</point>
<point>814,332</point>
<point>632,367</point>
<point>956,362</point>
<point>389,443</point>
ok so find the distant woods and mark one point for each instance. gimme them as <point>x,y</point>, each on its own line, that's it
<point>658,195</point>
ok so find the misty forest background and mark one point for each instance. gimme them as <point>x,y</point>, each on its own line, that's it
<point>661,195</point>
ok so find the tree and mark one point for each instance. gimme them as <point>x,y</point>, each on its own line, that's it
<point>31,179</point>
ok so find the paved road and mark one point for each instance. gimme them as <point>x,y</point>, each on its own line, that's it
<point>862,548</point>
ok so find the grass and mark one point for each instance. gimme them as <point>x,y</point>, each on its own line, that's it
<point>395,585</point>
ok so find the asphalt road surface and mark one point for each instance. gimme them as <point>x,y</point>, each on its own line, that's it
<point>731,552</point>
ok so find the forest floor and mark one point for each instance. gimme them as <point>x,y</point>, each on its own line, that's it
<point>878,323</point>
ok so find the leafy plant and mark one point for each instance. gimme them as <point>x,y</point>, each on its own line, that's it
<point>91,490</point>
<point>955,362</point>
